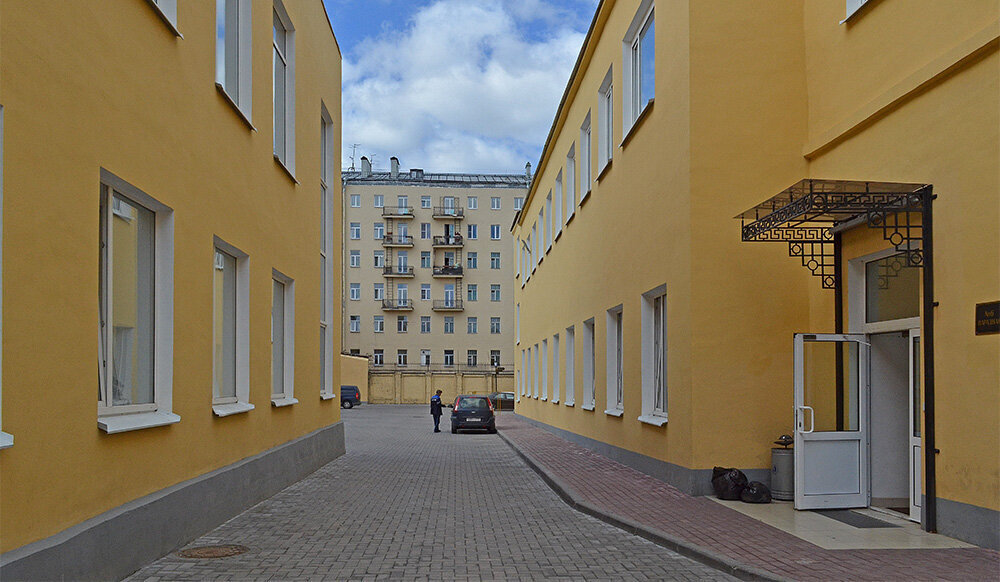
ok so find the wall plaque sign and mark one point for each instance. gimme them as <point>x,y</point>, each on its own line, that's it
<point>988,318</point>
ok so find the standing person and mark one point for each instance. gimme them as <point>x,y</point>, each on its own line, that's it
<point>436,410</point>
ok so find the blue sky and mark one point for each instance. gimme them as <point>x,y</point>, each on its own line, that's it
<point>455,85</point>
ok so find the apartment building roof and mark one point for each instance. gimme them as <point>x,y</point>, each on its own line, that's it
<point>418,178</point>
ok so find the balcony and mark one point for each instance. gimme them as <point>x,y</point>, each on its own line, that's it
<point>397,240</point>
<point>397,211</point>
<point>397,271</point>
<point>448,305</point>
<point>393,304</point>
<point>448,271</point>
<point>449,212</point>
<point>454,241</point>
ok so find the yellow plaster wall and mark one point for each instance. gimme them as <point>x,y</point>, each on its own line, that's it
<point>354,372</point>
<point>105,84</point>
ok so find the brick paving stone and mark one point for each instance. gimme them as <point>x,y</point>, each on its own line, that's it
<point>618,490</point>
<point>407,504</point>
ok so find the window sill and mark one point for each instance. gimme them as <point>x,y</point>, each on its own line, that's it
<point>280,402</point>
<point>635,126</point>
<point>614,412</point>
<point>166,20</point>
<point>604,170</point>
<point>555,401</point>
<point>558,235</point>
<point>231,409</point>
<point>544,398</point>
<point>6,440</point>
<point>589,407</point>
<point>287,170</point>
<point>653,420</point>
<point>232,103</point>
<point>139,421</point>
<point>585,197</point>
<point>569,218</point>
<point>327,396</point>
<point>569,403</point>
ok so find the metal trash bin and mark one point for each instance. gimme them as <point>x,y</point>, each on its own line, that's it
<point>783,474</point>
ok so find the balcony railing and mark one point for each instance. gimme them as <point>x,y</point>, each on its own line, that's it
<point>397,240</point>
<point>397,211</point>
<point>393,304</point>
<point>448,271</point>
<point>454,240</point>
<point>397,271</point>
<point>448,305</point>
<point>449,212</point>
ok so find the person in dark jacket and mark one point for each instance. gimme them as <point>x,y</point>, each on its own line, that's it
<point>436,410</point>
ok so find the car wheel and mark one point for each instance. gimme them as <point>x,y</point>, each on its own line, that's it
<point>491,430</point>
<point>454,430</point>
<point>348,404</point>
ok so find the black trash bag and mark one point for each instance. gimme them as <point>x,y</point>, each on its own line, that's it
<point>756,492</point>
<point>728,483</point>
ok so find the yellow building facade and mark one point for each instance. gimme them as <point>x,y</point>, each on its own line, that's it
<point>169,234</point>
<point>863,145</point>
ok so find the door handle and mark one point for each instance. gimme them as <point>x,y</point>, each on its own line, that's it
<point>812,418</point>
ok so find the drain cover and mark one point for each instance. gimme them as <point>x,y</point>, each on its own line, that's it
<point>222,551</point>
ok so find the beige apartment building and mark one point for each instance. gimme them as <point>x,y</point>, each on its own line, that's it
<point>428,279</point>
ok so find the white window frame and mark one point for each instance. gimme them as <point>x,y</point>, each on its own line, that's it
<point>286,396</point>
<point>115,419</point>
<point>570,376</point>
<point>495,260</point>
<point>449,324</point>
<point>495,293</point>
<point>496,358</point>
<point>355,200</point>
<point>589,364</point>
<point>226,406</point>
<point>558,208</point>
<point>355,230</point>
<point>284,141</point>
<point>355,291</point>
<point>549,232</point>
<point>654,356</point>
<point>518,202</point>
<point>378,291</point>
<point>378,201</point>
<point>472,292</point>
<point>378,259</point>
<point>6,439</point>
<point>495,203</point>
<point>378,231</point>
<point>536,367</point>
<point>473,231</point>
<point>402,357</point>
<point>473,202</point>
<point>425,287</point>
<point>544,356</point>
<point>517,324</point>
<point>425,230</point>
<point>555,369</point>
<point>378,324</point>
<point>586,157</point>
<point>472,260</point>
<point>237,87</point>
<point>425,328</point>
<point>615,361</point>
<point>520,377</point>
<point>378,357</point>
<point>352,255</point>
<point>632,54</point>
<point>167,11</point>
<point>605,122</point>
<point>851,8</point>
<point>425,201</point>
<point>570,183</point>
<point>326,391</point>
<point>354,324</point>
<point>495,325</point>
<point>472,325</point>
<point>402,324</point>
<point>472,357</point>
<point>495,232</point>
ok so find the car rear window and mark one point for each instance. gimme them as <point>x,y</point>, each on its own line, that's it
<point>478,403</point>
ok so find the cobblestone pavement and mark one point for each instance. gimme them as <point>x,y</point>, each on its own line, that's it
<point>407,504</point>
<point>632,497</point>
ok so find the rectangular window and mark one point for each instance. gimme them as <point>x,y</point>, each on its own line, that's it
<point>425,230</point>
<point>536,368</point>
<point>379,291</point>
<point>379,259</point>
<point>378,324</point>
<point>494,358</point>
<point>449,324</point>
<point>495,231</point>
<point>283,43</point>
<point>403,292</point>
<point>473,202</point>
<point>378,357</point>
<point>570,375</point>
<point>639,64</point>
<point>326,255</point>
<point>231,352</point>
<point>606,125</point>
<point>518,202</point>
<point>355,231</point>
<point>6,440</point>
<point>232,53</point>
<point>473,260</point>
<point>555,368</point>
<point>379,201</point>
<point>355,291</point>
<point>545,369</point>
<point>282,340</point>
<point>494,325</point>
<point>586,176</point>
<point>378,230</point>
<point>654,356</point>
<point>136,282</point>
<point>853,6</point>
<point>355,259</point>
<point>403,203</point>
<point>521,375</point>
<point>614,381</point>
<point>495,203</point>
<point>473,231</point>
<point>355,200</point>
<point>533,257</point>
<point>544,232</point>
<point>425,259</point>
<point>355,323</point>
<point>570,182</point>
<point>425,357</point>
<point>401,357</point>
<point>550,234</point>
<point>425,292</point>
<point>425,324</point>
<point>558,206</point>
<point>473,292</point>
<point>401,323</point>
<point>517,323</point>
<point>472,326</point>
<point>449,357</point>
<point>425,201</point>
<point>494,260</point>
<point>472,357</point>
<point>495,292</point>
<point>589,362</point>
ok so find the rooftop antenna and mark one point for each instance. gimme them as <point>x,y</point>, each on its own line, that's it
<point>354,152</point>
<point>372,158</point>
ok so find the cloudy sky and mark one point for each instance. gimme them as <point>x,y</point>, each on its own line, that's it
<point>455,85</point>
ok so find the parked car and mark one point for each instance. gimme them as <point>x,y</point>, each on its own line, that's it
<point>502,400</point>
<point>349,396</point>
<point>472,411</point>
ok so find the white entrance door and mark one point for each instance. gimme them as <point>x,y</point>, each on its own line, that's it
<point>916,416</point>
<point>831,421</point>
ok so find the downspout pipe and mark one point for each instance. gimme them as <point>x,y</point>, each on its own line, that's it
<point>930,449</point>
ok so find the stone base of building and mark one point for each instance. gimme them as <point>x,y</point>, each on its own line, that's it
<point>120,541</point>
<point>969,523</point>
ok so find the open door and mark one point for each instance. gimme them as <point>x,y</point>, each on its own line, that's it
<point>831,421</point>
<point>916,414</point>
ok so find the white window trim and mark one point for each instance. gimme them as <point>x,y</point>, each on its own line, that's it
<point>167,11</point>
<point>545,370</point>
<point>615,408</point>
<point>570,379</point>
<point>221,406</point>
<point>586,158</point>
<point>851,8</point>
<point>589,365</point>
<point>555,369</point>
<point>326,390</point>
<point>287,397</point>
<point>535,368</point>
<point>6,439</point>
<point>570,186</point>
<point>558,202</point>
<point>495,203</point>
<point>649,413</point>
<point>244,103</point>
<point>111,421</point>
<point>517,325</point>
<point>288,160</point>
<point>549,232</point>
<point>605,122</point>
<point>630,110</point>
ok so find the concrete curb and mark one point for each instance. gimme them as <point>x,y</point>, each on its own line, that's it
<point>695,552</point>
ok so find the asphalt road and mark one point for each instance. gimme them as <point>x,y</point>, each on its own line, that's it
<point>408,504</point>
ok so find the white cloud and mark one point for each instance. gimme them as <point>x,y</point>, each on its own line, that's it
<point>469,85</point>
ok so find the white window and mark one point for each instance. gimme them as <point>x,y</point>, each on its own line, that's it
<point>283,43</point>
<point>570,375</point>
<point>852,7</point>
<point>425,357</point>
<point>403,293</point>
<point>586,176</point>
<point>355,259</point>
<point>282,340</point>
<point>494,260</point>
<point>494,325</point>
<point>401,357</point>
<point>425,230</point>
<point>355,231</point>
<point>379,291</point>
<point>378,230</point>
<point>136,310</point>
<point>614,380</point>
<point>449,324</point>
<point>231,333</point>
<point>570,182</point>
<point>232,53</point>
<point>654,356</point>
<point>517,323</point>
<point>379,259</point>
<point>472,260</point>
<point>379,201</point>
<point>473,231</point>
<point>473,292</point>
<point>402,323</point>
<point>378,324</point>
<point>536,369</point>
<point>425,259</point>
<point>520,376</point>
<point>555,368</point>
<point>495,292</point>
<point>557,209</point>
<point>495,231</point>
<point>403,203</point>
<point>472,357</point>
<point>589,361</point>
<point>355,291</point>
<point>494,203</point>
<point>449,357</point>
<point>606,125</point>
<point>425,292</point>
<point>378,357</point>
<point>473,202</point>
<point>425,324</point>
<point>425,201</point>
<point>639,68</point>
<point>494,358</point>
<point>518,202</point>
<point>549,233</point>
<point>355,323</point>
<point>545,369</point>
<point>6,440</point>
<point>167,9</point>
<point>533,256</point>
<point>472,325</point>
<point>355,200</point>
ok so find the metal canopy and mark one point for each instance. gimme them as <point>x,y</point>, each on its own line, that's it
<point>808,214</point>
